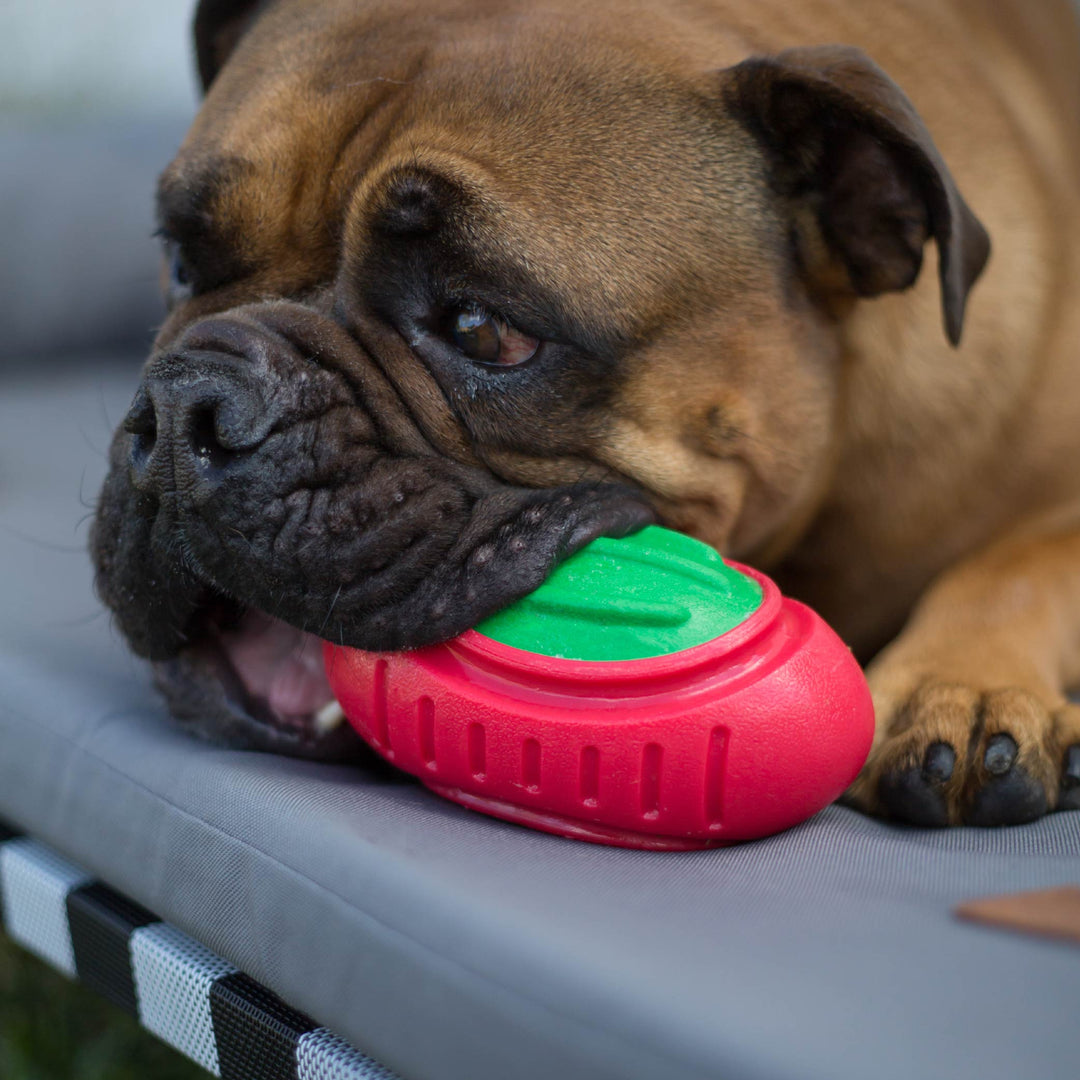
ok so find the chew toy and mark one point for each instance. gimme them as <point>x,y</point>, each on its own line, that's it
<point>648,695</point>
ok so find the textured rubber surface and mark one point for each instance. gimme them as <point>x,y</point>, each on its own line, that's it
<point>748,734</point>
<point>650,594</point>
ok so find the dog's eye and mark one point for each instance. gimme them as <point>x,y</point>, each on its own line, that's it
<point>483,337</point>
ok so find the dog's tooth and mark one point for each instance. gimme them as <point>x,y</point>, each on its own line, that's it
<point>328,717</point>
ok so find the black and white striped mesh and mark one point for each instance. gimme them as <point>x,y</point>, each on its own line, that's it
<point>179,990</point>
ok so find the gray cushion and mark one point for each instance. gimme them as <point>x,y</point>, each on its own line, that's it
<point>452,946</point>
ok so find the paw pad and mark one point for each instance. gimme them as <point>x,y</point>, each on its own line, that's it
<point>1010,798</point>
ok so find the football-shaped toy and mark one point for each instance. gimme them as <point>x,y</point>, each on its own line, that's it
<point>648,694</point>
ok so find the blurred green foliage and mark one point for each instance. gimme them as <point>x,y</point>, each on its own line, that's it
<point>54,1029</point>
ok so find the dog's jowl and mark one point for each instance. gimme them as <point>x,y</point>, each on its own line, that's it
<point>456,287</point>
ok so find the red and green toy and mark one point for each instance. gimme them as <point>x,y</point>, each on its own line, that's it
<point>648,694</point>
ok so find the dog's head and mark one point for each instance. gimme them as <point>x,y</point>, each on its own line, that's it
<point>455,288</point>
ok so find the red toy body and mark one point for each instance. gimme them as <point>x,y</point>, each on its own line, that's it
<point>738,738</point>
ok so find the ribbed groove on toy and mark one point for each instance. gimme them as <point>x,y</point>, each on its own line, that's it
<point>379,710</point>
<point>590,609</point>
<point>477,751</point>
<point>530,765</point>
<point>651,758</point>
<point>715,767</point>
<point>590,775</point>
<point>425,718</point>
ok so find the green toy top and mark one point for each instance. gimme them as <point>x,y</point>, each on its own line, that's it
<point>650,594</point>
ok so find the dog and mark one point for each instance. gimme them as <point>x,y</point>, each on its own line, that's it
<point>456,286</point>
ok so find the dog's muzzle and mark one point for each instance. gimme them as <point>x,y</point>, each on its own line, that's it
<point>270,487</point>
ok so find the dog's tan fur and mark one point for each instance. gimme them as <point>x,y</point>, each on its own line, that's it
<point>903,486</point>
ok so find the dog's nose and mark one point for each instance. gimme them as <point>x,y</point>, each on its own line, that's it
<point>192,426</point>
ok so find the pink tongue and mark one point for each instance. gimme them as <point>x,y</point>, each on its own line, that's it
<point>278,664</point>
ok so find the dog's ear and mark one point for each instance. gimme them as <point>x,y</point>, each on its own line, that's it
<point>866,184</point>
<point>218,26</point>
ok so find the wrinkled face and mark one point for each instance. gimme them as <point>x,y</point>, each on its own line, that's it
<point>443,308</point>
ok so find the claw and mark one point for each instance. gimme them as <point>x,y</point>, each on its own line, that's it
<point>1000,755</point>
<point>938,762</point>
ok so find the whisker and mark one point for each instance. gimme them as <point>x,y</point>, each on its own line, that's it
<point>109,425</point>
<point>90,444</point>
<point>83,501</point>
<point>330,611</point>
<point>82,620</point>
<point>47,545</point>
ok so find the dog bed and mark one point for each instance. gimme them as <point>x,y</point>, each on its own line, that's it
<point>449,946</point>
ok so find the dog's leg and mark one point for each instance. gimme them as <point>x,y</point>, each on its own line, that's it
<point>973,722</point>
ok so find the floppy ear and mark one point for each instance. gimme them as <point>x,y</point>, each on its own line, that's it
<point>219,25</point>
<point>867,185</point>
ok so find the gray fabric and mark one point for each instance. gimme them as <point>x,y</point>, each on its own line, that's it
<point>452,947</point>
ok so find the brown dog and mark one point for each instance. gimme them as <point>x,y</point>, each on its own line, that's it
<point>457,285</point>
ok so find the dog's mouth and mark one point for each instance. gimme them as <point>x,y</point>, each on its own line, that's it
<point>253,681</point>
<point>280,670</point>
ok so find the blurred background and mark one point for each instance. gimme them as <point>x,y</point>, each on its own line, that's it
<point>94,98</point>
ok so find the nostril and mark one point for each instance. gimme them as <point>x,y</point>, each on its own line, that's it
<point>142,446</point>
<point>141,424</point>
<point>192,421</point>
<point>205,442</point>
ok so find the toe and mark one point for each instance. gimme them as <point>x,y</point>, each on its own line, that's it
<point>1012,771</point>
<point>916,794</point>
<point>1010,795</point>
<point>1070,780</point>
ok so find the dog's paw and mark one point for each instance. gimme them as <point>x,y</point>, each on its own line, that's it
<point>950,754</point>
